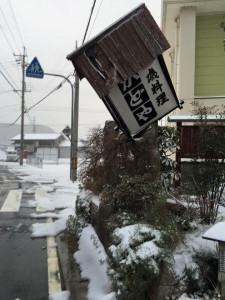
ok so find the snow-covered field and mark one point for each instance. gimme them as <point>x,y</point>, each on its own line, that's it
<point>63,196</point>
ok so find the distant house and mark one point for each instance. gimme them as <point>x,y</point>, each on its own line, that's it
<point>64,149</point>
<point>6,132</point>
<point>49,146</point>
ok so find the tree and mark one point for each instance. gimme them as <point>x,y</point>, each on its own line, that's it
<point>209,177</point>
<point>107,155</point>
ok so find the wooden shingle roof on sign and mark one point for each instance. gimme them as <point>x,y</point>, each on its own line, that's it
<point>123,49</point>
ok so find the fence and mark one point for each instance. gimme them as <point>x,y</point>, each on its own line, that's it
<point>35,161</point>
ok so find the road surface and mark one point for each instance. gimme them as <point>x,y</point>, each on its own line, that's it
<point>28,267</point>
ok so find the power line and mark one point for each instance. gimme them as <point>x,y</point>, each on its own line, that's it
<point>92,9</point>
<point>15,121</point>
<point>55,89</point>
<point>95,18</point>
<point>7,24</point>
<point>14,90</point>
<point>10,46</point>
<point>9,76</point>
<point>16,22</point>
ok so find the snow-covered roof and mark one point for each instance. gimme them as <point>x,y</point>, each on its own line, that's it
<point>195,118</point>
<point>38,136</point>
<point>216,233</point>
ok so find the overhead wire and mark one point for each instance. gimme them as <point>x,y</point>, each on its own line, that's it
<point>9,76</point>
<point>61,84</point>
<point>10,46</point>
<point>95,19</point>
<point>14,89</point>
<point>55,89</point>
<point>89,20</point>
<point>15,20</point>
<point>7,24</point>
<point>27,110</point>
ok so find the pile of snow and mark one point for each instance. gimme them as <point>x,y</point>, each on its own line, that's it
<point>92,260</point>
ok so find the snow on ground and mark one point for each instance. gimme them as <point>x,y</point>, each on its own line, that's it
<point>2,155</point>
<point>61,194</point>
<point>92,259</point>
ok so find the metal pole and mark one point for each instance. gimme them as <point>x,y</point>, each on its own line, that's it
<point>74,128</point>
<point>22,109</point>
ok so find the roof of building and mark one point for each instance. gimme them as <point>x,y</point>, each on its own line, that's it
<point>196,118</point>
<point>129,45</point>
<point>37,136</point>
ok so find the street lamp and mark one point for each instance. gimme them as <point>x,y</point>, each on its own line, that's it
<point>74,124</point>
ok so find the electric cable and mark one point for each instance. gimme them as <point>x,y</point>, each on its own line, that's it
<point>16,22</point>
<point>61,84</point>
<point>14,90</point>
<point>10,46</point>
<point>55,89</point>
<point>9,76</point>
<point>7,24</point>
<point>95,19</point>
<point>92,9</point>
<point>27,110</point>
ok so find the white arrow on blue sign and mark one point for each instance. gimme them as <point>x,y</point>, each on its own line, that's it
<point>34,69</point>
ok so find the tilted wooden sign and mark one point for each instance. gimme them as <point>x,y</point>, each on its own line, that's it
<point>125,67</point>
<point>144,98</point>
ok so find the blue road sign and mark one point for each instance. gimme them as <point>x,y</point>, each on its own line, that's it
<point>34,69</point>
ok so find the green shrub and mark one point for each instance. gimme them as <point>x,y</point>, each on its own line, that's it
<point>202,274</point>
<point>133,195</point>
<point>134,262</point>
<point>168,144</point>
<point>75,223</point>
<point>106,163</point>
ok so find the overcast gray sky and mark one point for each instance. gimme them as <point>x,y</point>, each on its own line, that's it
<point>49,30</point>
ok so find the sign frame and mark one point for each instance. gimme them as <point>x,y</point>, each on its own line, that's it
<point>118,117</point>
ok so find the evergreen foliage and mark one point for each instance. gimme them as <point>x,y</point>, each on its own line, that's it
<point>201,276</point>
<point>122,158</point>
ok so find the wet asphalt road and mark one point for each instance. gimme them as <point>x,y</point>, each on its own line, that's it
<point>23,261</point>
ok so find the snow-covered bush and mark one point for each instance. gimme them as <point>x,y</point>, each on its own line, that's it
<point>134,259</point>
<point>75,223</point>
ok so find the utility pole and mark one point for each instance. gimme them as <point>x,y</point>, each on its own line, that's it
<point>22,61</point>
<point>74,130</point>
<point>22,109</point>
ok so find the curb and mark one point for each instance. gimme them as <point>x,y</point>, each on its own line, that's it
<point>70,272</point>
